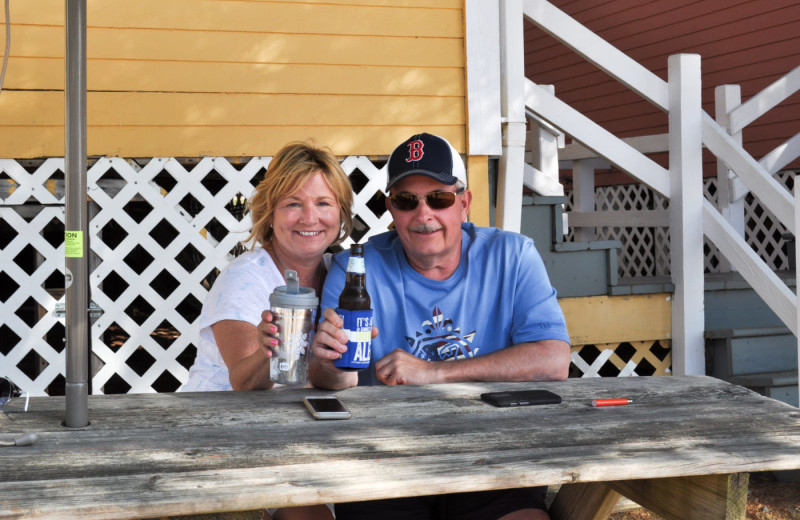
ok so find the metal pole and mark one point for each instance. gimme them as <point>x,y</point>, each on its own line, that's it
<point>76,225</point>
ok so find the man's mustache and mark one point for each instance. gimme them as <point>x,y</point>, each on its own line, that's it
<point>425,228</point>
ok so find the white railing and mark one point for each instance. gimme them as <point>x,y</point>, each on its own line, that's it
<point>690,129</point>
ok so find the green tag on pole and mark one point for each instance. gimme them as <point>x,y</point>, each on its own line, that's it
<point>73,244</point>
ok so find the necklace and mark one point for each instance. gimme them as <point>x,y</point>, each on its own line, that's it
<point>317,286</point>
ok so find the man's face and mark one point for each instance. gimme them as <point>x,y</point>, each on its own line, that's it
<point>430,237</point>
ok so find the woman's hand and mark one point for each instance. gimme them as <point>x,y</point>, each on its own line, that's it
<point>267,334</point>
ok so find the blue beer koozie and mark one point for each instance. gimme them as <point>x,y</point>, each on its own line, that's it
<point>358,327</point>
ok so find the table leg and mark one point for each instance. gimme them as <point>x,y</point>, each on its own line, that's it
<point>684,498</point>
<point>584,501</point>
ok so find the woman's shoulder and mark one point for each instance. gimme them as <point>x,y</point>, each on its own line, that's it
<point>249,259</point>
<point>256,264</point>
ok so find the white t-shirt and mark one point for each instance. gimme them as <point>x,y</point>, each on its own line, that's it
<point>499,296</point>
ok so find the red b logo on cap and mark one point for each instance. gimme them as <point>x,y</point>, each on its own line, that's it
<point>415,152</point>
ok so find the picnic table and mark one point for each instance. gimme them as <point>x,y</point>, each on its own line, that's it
<point>683,448</point>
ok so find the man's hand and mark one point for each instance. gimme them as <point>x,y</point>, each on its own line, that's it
<point>545,360</point>
<point>330,342</point>
<point>401,368</point>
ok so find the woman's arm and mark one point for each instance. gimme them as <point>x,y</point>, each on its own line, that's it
<point>246,358</point>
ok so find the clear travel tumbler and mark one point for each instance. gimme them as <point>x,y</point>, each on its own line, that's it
<point>294,310</point>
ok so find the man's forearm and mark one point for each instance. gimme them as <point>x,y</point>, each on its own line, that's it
<point>328,378</point>
<point>546,360</point>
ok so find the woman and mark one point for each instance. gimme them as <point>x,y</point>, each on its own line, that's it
<point>301,208</point>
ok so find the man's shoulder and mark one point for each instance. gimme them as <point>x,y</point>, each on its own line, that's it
<point>492,236</point>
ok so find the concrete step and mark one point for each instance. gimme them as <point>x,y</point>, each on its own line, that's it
<point>736,352</point>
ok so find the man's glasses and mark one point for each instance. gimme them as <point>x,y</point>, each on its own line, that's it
<point>9,390</point>
<point>405,201</point>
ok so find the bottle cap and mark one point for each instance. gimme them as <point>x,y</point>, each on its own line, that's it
<point>293,294</point>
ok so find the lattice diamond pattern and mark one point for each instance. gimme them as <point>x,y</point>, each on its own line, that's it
<point>139,310</point>
<point>160,234</point>
<point>31,262</point>
<point>645,251</point>
<point>639,358</point>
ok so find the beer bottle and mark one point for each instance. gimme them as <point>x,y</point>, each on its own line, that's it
<point>354,309</point>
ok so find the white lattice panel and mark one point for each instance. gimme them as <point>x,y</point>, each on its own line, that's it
<point>645,250</point>
<point>368,203</point>
<point>158,236</point>
<point>646,358</point>
<point>26,307</point>
<point>185,210</point>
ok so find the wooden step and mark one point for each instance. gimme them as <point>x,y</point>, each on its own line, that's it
<point>737,352</point>
<point>781,386</point>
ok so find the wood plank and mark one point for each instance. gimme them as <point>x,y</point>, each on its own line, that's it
<point>640,218</point>
<point>242,47</point>
<point>164,454</point>
<point>482,41</point>
<point>444,20</point>
<point>478,177</point>
<point>685,498</point>
<point>749,173</point>
<point>227,141</point>
<point>607,57</point>
<point>764,281</point>
<point>185,77</point>
<point>591,135</point>
<point>585,501</point>
<point>765,100</point>
<point>611,319</point>
<point>175,109</point>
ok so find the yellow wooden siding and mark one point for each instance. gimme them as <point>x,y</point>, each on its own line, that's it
<point>615,319</point>
<point>217,77</point>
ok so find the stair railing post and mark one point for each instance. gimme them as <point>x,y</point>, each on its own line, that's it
<point>583,187</point>
<point>797,301</point>
<point>686,214</point>
<point>726,98</point>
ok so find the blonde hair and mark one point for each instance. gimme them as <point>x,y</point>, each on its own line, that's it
<point>291,167</point>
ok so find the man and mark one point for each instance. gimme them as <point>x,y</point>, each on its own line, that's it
<point>453,302</point>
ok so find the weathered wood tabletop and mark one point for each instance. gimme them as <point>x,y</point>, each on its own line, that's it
<point>154,455</point>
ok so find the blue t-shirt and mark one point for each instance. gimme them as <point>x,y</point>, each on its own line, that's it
<point>499,296</point>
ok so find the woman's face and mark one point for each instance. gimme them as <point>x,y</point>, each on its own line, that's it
<point>306,222</point>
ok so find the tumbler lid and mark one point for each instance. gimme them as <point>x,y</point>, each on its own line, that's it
<point>292,294</point>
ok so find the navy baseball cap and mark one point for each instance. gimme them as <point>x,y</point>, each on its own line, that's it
<point>429,155</point>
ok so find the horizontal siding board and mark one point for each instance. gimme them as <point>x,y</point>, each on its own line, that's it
<point>239,77</point>
<point>232,141</point>
<point>169,109</point>
<point>260,17</point>
<point>138,76</point>
<point>246,48</point>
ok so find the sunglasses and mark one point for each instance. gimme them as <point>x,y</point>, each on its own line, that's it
<point>9,390</point>
<point>405,201</point>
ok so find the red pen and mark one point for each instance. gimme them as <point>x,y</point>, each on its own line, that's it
<point>610,402</point>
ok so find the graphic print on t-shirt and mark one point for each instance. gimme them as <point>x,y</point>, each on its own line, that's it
<point>438,340</point>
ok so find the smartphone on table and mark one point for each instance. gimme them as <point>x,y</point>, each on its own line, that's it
<point>521,398</point>
<point>326,407</point>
